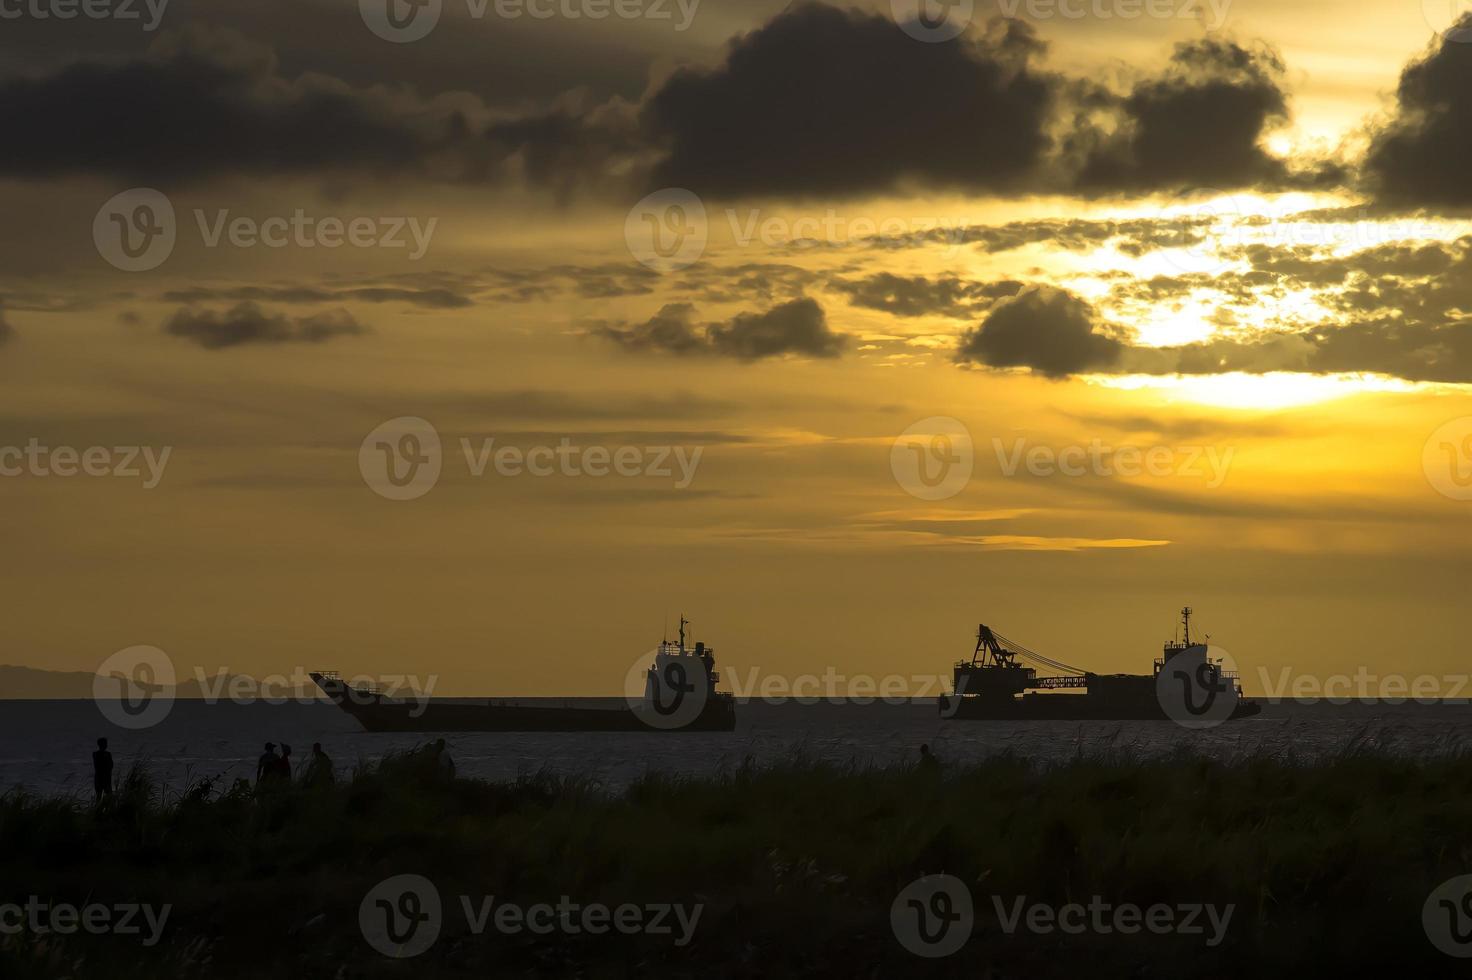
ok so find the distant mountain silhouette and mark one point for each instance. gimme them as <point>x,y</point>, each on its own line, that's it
<point>34,684</point>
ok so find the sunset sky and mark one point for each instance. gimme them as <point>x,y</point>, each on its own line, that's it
<point>1236,237</point>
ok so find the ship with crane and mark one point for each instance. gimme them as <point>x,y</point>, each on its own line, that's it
<point>1002,682</point>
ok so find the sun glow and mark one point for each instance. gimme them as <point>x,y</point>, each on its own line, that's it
<point>1238,390</point>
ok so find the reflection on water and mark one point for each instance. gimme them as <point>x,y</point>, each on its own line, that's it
<point>47,745</point>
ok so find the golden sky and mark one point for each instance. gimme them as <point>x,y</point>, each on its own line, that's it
<point>1233,240</point>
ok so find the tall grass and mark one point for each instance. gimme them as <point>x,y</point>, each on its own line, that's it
<point>1327,865</point>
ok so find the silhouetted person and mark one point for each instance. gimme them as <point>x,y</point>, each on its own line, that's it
<point>319,769</point>
<point>443,764</point>
<point>928,761</point>
<point>283,764</point>
<point>102,771</point>
<point>266,765</point>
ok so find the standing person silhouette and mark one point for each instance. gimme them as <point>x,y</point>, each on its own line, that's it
<point>102,771</point>
<point>319,769</point>
<point>443,764</point>
<point>266,765</point>
<point>283,764</point>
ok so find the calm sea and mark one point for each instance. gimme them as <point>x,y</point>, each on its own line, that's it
<point>46,746</point>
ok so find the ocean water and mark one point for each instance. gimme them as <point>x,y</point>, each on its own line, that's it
<point>46,746</point>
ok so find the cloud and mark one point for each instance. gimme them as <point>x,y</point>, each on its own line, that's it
<point>818,102</point>
<point>920,296</point>
<point>824,101</point>
<point>248,323</point>
<point>669,331</point>
<point>1198,124</point>
<point>1419,157</point>
<point>1057,334</point>
<point>1049,330</point>
<point>443,299</point>
<point>766,281</point>
<point>799,327</point>
<point>6,330</point>
<point>201,103</point>
<point>1389,346</point>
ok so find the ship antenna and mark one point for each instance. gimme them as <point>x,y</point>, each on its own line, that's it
<point>1186,619</point>
<point>683,623</point>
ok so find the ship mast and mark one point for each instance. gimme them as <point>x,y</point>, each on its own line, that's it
<point>683,623</point>
<point>1186,621</point>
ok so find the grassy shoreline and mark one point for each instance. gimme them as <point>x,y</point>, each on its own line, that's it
<point>796,866</point>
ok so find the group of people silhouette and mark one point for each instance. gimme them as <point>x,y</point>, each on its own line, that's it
<point>271,769</point>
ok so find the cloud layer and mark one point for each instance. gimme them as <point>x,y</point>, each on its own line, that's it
<point>818,102</point>
<point>799,327</point>
<point>248,323</point>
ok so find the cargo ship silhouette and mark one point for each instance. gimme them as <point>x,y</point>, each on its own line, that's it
<point>679,696</point>
<point>1000,683</point>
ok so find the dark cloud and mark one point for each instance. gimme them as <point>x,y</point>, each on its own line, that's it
<point>510,60</point>
<point>1419,157</point>
<point>1425,284</point>
<point>671,331</point>
<point>921,296</point>
<point>6,330</point>
<point>433,298</point>
<point>248,323</point>
<point>1320,267</point>
<point>1198,124</point>
<point>1414,352</point>
<point>820,101</point>
<point>766,281</point>
<point>1048,330</point>
<point>820,83</point>
<point>569,148</point>
<point>604,281</point>
<point>798,327</point>
<point>825,101</point>
<point>1133,237</point>
<point>1057,334</point>
<point>1389,347</point>
<point>203,104</point>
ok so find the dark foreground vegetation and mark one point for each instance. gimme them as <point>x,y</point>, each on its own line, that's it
<point>797,866</point>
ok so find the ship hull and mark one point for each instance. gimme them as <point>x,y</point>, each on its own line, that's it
<point>1065,707</point>
<point>431,717</point>
<point>377,713</point>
